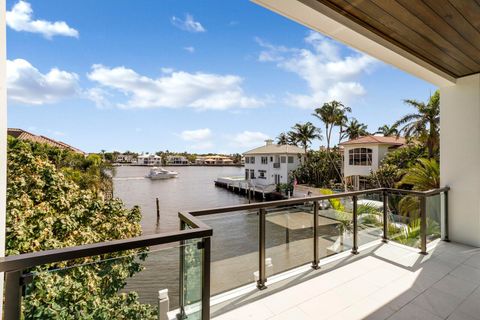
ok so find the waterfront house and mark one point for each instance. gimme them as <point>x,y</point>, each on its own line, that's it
<point>272,163</point>
<point>149,160</point>
<point>125,158</point>
<point>213,160</point>
<point>177,160</point>
<point>363,155</point>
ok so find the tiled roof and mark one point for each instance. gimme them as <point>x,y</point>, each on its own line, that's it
<point>394,141</point>
<point>276,149</point>
<point>25,135</point>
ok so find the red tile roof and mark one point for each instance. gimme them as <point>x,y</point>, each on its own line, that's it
<point>393,141</point>
<point>25,135</point>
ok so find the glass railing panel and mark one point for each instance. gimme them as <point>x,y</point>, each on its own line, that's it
<point>404,219</point>
<point>234,253</point>
<point>335,226</point>
<point>370,218</point>
<point>135,284</point>
<point>191,278</point>
<point>288,237</point>
<point>434,216</point>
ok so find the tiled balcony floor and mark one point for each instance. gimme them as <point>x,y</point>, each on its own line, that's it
<point>385,281</point>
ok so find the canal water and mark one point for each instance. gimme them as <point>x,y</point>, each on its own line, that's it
<point>193,189</point>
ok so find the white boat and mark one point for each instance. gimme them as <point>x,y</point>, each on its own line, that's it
<point>161,173</point>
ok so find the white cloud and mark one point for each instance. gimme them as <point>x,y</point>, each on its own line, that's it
<point>20,19</point>
<point>99,96</point>
<point>26,84</point>
<point>167,70</point>
<point>329,75</point>
<point>200,138</point>
<point>189,24</point>
<point>175,90</point>
<point>189,49</point>
<point>248,139</point>
<point>196,135</point>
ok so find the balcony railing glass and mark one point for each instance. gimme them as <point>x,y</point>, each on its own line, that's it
<point>234,249</point>
<point>288,237</point>
<point>251,242</point>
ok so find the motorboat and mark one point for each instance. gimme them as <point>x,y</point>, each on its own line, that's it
<point>161,173</point>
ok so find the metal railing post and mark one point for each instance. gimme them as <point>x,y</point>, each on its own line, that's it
<point>445,237</point>
<point>13,296</point>
<point>385,216</point>
<point>316,260</point>
<point>206,279</point>
<point>423,225</point>
<point>261,250</point>
<point>355,226</point>
<point>181,285</point>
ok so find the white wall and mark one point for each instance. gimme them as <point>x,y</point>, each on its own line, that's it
<point>284,169</point>
<point>460,157</point>
<point>350,170</point>
<point>3,138</point>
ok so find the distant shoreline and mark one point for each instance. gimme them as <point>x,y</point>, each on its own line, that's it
<point>178,165</point>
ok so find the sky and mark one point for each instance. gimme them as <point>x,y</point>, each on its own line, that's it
<point>183,75</point>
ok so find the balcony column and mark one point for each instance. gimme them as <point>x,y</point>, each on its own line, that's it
<point>460,157</point>
<point>3,137</point>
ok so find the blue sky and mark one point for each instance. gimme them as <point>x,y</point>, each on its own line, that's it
<point>189,75</point>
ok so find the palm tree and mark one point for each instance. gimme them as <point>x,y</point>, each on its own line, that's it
<point>355,130</point>
<point>303,134</point>
<point>424,124</point>
<point>283,139</point>
<point>332,114</point>
<point>424,175</point>
<point>387,130</point>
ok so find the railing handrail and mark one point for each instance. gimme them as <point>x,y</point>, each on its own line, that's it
<point>33,259</point>
<point>14,266</point>
<point>267,204</point>
<point>200,230</point>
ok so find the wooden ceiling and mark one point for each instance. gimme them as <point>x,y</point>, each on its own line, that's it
<point>443,33</point>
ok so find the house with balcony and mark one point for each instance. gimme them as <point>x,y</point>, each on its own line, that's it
<point>214,160</point>
<point>272,163</point>
<point>149,160</point>
<point>324,257</point>
<point>177,160</point>
<point>363,155</point>
<point>125,158</point>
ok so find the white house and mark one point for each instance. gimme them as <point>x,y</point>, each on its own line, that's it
<point>149,160</point>
<point>213,160</point>
<point>272,163</point>
<point>363,155</point>
<point>125,158</point>
<point>177,160</point>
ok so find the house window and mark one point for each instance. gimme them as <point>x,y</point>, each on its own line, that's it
<point>360,157</point>
<point>252,160</point>
<point>290,159</point>
<point>261,174</point>
<point>264,160</point>
<point>283,159</point>
<point>271,159</point>
<point>247,160</point>
<point>246,174</point>
<point>252,174</point>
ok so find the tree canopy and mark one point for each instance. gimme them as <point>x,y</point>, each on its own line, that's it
<point>47,209</point>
